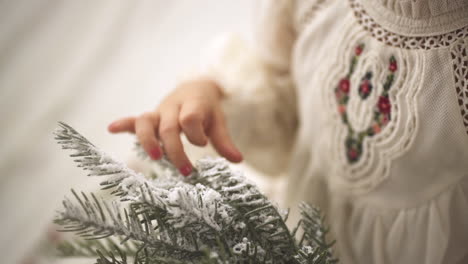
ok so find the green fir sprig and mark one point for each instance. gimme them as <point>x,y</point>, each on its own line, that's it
<point>213,216</point>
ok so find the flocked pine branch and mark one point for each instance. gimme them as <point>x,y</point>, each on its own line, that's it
<point>255,210</point>
<point>213,216</point>
<point>92,159</point>
<point>315,231</point>
<point>79,247</point>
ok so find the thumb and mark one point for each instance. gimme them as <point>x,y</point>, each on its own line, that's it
<point>222,142</point>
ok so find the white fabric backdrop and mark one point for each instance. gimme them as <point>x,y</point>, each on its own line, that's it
<point>86,63</point>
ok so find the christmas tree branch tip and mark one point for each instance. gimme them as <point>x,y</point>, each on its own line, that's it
<point>214,216</point>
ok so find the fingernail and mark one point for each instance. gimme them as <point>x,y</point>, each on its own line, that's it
<point>238,154</point>
<point>155,153</point>
<point>186,170</point>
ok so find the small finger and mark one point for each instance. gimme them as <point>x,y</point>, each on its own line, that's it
<point>169,133</point>
<point>221,140</point>
<point>191,120</point>
<point>145,127</point>
<point>126,124</point>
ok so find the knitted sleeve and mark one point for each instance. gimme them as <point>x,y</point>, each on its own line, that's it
<point>260,103</point>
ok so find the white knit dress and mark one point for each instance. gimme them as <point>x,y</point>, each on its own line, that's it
<point>364,105</point>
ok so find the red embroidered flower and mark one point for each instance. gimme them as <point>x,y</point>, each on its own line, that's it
<point>384,105</point>
<point>365,87</point>
<point>353,154</point>
<point>358,50</point>
<point>344,85</point>
<point>393,66</point>
<point>341,109</point>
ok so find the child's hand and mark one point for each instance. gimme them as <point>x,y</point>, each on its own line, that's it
<point>194,108</point>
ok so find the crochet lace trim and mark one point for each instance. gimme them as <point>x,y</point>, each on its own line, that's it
<point>459,53</point>
<point>404,42</point>
<point>308,11</point>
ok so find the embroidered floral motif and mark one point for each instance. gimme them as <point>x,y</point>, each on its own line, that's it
<point>365,87</point>
<point>382,109</point>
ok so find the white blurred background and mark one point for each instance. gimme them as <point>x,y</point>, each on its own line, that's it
<point>85,62</point>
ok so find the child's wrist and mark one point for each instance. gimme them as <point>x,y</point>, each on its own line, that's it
<point>206,81</point>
